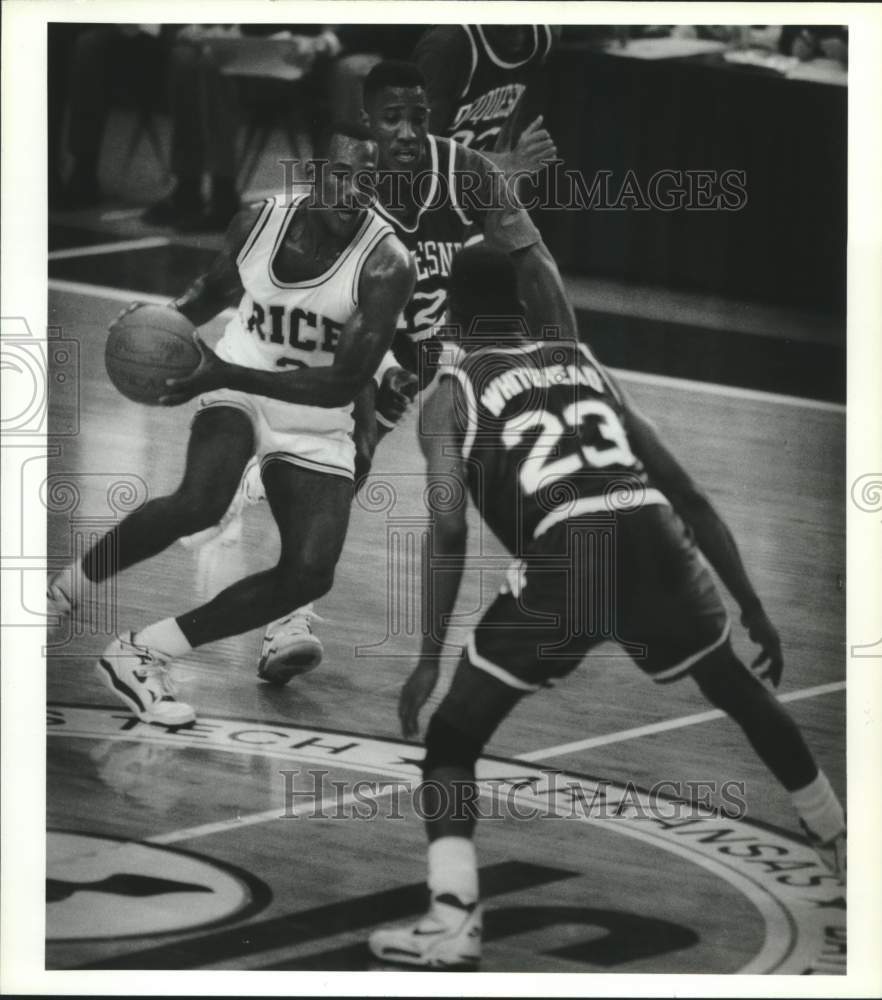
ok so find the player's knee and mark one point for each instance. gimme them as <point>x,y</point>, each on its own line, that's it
<point>449,746</point>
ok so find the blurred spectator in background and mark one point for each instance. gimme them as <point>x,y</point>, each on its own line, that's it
<point>92,68</point>
<point>363,46</point>
<point>203,113</point>
<point>809,42</point>
<point>203,94</point>
<point>482,87</point>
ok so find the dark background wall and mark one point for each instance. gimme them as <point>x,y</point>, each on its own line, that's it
<point>786,246</point>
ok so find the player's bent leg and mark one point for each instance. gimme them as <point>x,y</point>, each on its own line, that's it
<point>728,685</point>
<point>221,442</point>
<point>449,934</point>
<point>311,510</point>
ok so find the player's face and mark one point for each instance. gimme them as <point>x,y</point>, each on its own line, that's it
<point>344,184</point>
<point>399,119</point>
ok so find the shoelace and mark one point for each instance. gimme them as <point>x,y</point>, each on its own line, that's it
<point>153,667</point>
<point>160,671</point>
<point>304,618</point>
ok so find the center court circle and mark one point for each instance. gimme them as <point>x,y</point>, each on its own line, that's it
<point>583,877</point>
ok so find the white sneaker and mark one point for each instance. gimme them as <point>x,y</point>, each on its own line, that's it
<point>139,677</point>
<point>228,530</point>
<point>834,853</point>
<point>448,935</point>
<point>289,647</point>
<point>59,601</point>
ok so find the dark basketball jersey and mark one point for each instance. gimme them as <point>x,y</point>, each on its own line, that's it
<point>544,438</point>
<point>443,224</point>
<point>494,87</point>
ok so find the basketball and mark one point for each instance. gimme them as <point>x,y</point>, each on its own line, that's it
<point>147,346</point>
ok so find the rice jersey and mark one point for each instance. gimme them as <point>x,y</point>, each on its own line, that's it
<point>543,438</point>
<point>281,325</point>
<point>483,87</point>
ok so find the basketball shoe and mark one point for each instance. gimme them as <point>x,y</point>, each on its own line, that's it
<point>228,530</point>
<point>834,852</point>
<point>448,935</point>
<point>140,678</point>
<point>59,601</point>
<point>289,647</point>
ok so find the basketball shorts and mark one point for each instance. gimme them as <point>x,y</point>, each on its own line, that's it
<point>289,433</point>
<point>635,579</point>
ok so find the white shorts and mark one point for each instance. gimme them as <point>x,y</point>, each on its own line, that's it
<point>282,433</point>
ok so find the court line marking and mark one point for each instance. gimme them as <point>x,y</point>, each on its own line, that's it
<point>117,294</point>
<point>268,815</point>
<point>252,819</point>
<point>718,389</point>
<point>144,243</point>
<point>666,726</point>
<point>120,214</point>
<point>647,378</point>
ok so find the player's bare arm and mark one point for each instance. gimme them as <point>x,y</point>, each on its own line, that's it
<point>711,534</point>
<point>508,228</point>
<point>220,286</point>
<point>446,481</point>
<point>365,433</point>
<point>385,287</point>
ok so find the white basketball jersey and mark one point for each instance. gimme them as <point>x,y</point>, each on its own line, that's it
<point>293,324</point>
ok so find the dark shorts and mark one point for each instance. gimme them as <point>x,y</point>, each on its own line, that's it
<point>635,579</point>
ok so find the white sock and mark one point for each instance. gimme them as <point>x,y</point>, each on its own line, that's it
<point>166,637</point>
<point>819,808</point>
<point>453,868</point>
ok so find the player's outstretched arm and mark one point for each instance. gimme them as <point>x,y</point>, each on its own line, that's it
<point>385,287</point>
<point>220,286</point>
<point>446,497</point>
<point>494,205</point>
<point>711,534</point>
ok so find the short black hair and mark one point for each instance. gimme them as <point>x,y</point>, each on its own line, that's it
<point>350,129</point>
<point>484,285</point>
<point>392,73</point>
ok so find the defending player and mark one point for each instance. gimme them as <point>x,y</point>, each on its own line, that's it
<point>482,83</point>
<point>437,195</point>
<point>320,284</point>
<point>549,450</point>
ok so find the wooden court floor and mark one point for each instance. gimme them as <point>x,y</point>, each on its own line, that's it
<point>174,850</point>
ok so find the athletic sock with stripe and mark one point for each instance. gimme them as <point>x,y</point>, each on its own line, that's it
<point>820,810</point>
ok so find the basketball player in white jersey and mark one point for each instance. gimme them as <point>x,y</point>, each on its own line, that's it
<point>320,284</point>
<point>467,199</point>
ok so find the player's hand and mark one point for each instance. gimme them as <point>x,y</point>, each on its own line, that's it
<point>770,662</point>
<point>414,695</point>
<point>398,388</point>
<point>207,376</point>
<point>533,148</point>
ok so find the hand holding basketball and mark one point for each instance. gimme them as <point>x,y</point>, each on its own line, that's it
<point>207,375</point>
